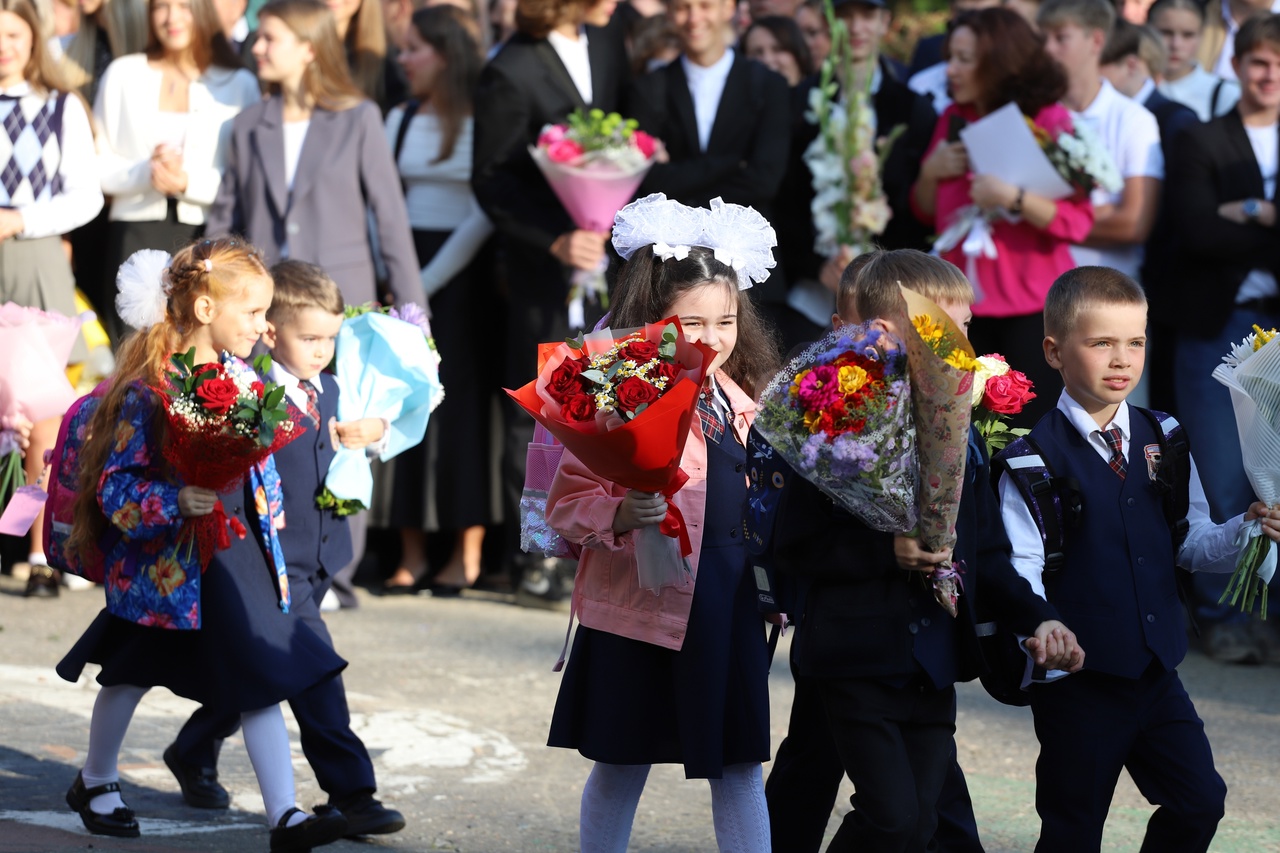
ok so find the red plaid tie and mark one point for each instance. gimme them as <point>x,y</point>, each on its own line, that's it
<point>1116,442</point>
<point>313,410</point>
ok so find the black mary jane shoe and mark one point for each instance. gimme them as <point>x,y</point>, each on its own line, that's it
<point>120,823</point>
<point>324,827</point>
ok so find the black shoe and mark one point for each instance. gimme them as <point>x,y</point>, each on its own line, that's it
<point>1231,642</point>
<point>326,826</point>
<point>367,816</point>
<point>199,785</point>
<point>41,583</point>
<point>120,823</point>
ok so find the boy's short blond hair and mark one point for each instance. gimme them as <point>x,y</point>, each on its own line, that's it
<point>1086,14</point>
<point>301,285</point>
<point>1082,288</point>
<point>872,289</point>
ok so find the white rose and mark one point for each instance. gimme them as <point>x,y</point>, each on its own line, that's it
<point>988,366</point>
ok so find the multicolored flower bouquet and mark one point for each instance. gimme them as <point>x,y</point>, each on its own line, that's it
<point>840,414</point>
<point>1251,372</point>
<point>622,401</point>
<point>1079,156</point>
<point>594,164</point>
<point>999,392</point>
<point>223,420</point>
<point>849,206</point>
<point>387,366</point>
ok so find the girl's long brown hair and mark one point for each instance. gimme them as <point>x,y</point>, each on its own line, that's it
<point>647,288</point>
<point>209,45</point>
<point>327,80</point>
<point>366,45</point>
<point>144,357</point>
<point>1012,62</point>
<point>444,28</point>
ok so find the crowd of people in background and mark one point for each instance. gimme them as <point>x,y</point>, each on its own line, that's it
<point>386,141</point>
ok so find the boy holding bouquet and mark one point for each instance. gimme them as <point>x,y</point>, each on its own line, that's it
<point>873,645</point>
<point>1128,709</point>
<point>303,322</point>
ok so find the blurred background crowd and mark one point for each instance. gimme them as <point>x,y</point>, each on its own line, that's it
<point>387,141</point>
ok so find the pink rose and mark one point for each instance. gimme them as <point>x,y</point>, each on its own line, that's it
<point>645,143</point>
<point>552,133</point>
<point>1007,394</point>
<point>564,151</point>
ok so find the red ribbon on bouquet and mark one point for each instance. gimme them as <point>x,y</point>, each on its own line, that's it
<point>673,524</point>
<point>209,533</point>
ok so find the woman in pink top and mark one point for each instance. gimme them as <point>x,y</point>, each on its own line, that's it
<point>995,57</point>
<point>680,677</point>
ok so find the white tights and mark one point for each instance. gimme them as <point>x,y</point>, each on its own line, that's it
<point>265,738</point>
<point>612,793</point>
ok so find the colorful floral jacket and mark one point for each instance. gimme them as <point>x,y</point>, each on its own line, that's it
<point>152,578</point>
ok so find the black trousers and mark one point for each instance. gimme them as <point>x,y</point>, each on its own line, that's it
<point>336,755</point>
<point>802,786</point>
<point>1089,726</point>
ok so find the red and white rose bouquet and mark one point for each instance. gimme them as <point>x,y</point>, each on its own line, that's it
<point>999,392</point>
<point>223,420</point>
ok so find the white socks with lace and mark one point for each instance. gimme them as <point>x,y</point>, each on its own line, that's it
<point>739,810</point>
<point>609,800</point>
<point>612,793</point>
<point>112,713</point>
<point>267,742</point>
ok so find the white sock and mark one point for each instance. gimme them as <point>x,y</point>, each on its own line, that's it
<point>267,742</point>
<point>112,712</point>
<point>609,800</point>
<point>739,810</point>
<point>37,558</point>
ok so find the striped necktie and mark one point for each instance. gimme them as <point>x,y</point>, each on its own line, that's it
<point>1116,442</point>
<point>313,408</point>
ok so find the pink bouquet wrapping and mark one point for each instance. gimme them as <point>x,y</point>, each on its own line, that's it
<point>594,164</point>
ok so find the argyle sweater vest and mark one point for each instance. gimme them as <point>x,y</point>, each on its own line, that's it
<point>30,148</point>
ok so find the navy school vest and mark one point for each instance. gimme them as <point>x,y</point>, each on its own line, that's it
<point>1117,588</point>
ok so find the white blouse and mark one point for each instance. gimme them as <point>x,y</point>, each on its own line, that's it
<point>438,195</point>
<point>1195,90</point>
<point>128,116</point>
<point>52,181</point>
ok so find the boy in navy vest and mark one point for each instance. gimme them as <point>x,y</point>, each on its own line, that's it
<point>1127,707</point>
<point>875,657</point>
<point>305,316</point>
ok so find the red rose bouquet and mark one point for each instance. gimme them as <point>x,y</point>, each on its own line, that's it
<point>622,403</point>
<point>223,420</point>
<point>593,163</point>
<point>999,391</point>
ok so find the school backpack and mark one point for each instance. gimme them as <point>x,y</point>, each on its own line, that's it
<point>63,487</point>
<point>1057,506</point>
<point>542,459</point>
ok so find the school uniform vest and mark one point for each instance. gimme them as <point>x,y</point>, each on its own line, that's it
<point>312,539</point>
<point>1117,588</point>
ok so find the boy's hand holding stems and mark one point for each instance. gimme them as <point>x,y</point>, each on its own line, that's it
<point>1270,518</point>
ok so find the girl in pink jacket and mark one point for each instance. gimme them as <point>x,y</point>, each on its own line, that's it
<point>679,677</point>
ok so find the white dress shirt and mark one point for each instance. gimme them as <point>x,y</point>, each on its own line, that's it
<point>706,86</point>
<point>1208,547</point>
<point>932,83</point>
<point>573,53</point>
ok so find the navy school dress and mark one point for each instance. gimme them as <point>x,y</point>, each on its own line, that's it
<point>623,701</point>
<point>246,655</point>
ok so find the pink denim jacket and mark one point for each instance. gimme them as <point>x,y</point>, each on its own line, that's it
<point>606,594</point>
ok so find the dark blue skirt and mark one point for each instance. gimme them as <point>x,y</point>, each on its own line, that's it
<point>247,653</point>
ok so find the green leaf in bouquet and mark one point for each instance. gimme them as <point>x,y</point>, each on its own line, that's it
<point>613,370</point>
<point>266,435</point>
<point>578,342</point>
<point>273,398</point>
<point>244,413</point>
<point>638,410</point>
<point>594,376</point>
<point>262,364</point>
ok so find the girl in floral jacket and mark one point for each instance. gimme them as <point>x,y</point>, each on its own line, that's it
<point>225,637</point>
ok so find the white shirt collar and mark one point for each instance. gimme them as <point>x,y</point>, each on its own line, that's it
<point>1097,107</point>
<point>577,61</point>
<point>18,91</point>
<point>1145,92</point>
<point>293,385</point>
<point>1087,426</point>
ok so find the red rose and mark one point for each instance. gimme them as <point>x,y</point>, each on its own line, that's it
<point>564,382</point>
<point>579,408</point>
<point>645,143</point>
<point>634,392</point>
<point>669,369</point>
<point>258,388</point>
<point>1007,394</point>
<point>640,351</point>
<point>217,395</point>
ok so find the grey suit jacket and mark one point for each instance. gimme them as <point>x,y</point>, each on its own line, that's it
<point>344,173</point>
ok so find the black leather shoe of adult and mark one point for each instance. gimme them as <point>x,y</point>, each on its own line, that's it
<point>367,816</point>
<point>324,827</point>
<point>199,785</point>
<point>120,823</point>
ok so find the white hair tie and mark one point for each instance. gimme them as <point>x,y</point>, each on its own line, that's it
<point>738,236</point>
<point>142,288</point>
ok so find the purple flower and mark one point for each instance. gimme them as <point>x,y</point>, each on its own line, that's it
<point>809,452</point>
<point>413,313</point>
<point>9,442</point>
<point>850,457</point>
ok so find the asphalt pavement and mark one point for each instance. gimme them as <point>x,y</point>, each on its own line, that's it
<point>453,698</point>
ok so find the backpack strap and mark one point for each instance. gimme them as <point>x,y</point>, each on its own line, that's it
<point>1173,474</point>
<point>410,108</point>
<point>1213,99</point>
<point>1054,502</point>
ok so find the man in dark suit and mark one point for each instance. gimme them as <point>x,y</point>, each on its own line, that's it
<point>1216,279</point>
<point>549,68</point>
